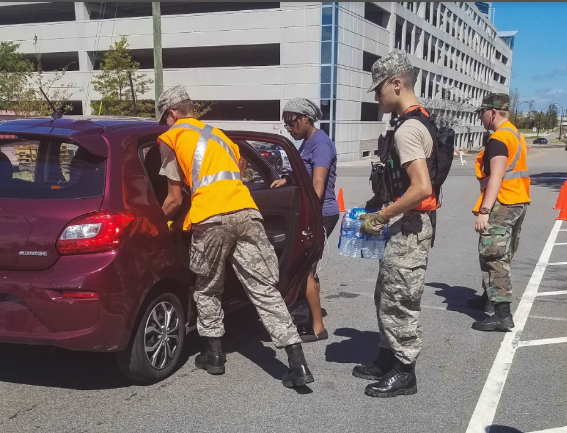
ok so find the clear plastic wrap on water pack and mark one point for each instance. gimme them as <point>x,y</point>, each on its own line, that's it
<point>352,243</point>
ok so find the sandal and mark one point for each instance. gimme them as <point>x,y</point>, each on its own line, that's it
<point>310,338</point>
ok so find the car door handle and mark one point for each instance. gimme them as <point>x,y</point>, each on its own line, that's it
<point>306,233</point>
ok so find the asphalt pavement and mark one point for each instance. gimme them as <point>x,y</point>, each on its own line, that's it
<point>516,382</point>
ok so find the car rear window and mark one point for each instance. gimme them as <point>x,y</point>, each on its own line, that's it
<point>49,169</point>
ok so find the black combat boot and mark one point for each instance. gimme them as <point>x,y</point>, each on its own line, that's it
<point>400,380</point>
<point>378,368</point>
<point>501,320</point>
<point>481,303</point>
<point>211,359</point>
<point>298,373</point>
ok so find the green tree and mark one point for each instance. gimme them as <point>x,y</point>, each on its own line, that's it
<point>23,96</point>
<point>15,72</point>
<point>551,116</point>
<point>514,102</point>
<point>114,84</point>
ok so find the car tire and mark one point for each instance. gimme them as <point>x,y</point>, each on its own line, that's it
<point>279,166</point>
<point>154,365</point>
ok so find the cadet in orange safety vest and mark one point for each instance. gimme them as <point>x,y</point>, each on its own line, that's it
<point>226,225</point>
<point>502,172</point>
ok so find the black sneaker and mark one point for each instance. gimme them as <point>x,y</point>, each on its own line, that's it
<point>378,368</point>
<point>400,380</point>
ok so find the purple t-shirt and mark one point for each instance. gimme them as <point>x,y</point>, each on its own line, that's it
<point>320,151</point>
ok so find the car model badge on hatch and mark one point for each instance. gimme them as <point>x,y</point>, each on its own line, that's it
<point>33,253</point>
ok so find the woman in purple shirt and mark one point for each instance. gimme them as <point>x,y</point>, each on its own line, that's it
<point>320,158</point>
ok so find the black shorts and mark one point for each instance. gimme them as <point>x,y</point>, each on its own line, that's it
<point>329,223</point>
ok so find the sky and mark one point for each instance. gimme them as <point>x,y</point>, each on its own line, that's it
<point>539,62</point>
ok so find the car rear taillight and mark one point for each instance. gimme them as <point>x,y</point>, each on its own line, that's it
<point>95,233</point>
<point>265,154</point>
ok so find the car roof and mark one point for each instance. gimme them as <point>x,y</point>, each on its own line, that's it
<point>70,125</point>
<point>75,127</point>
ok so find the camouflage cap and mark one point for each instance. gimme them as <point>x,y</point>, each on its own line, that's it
<point>395,63</point>
<point>497,101</point>
<point>171,97</point>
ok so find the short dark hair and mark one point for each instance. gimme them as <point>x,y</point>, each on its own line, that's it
<point>407,79</point>
<point>185,108</point>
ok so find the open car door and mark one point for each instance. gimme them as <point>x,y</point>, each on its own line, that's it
<point>292,213</point>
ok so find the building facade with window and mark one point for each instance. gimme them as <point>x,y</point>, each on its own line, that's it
<point>249,58</point>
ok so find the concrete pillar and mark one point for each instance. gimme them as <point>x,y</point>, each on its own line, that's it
<point>413,41</point>
<point>427,84</point>
<point>439,15</point>
<point>420,45</point>
<point>81,12</point>
<point>392,28</point>
<point>421,9</point>
<point>417,87</point>
<point>85,63</point>
<point>404,29</point>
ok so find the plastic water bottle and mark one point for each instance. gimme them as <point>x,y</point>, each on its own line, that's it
<point>352,243</point>
<point>348,236</point>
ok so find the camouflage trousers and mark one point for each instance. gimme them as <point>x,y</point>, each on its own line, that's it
<point>496,248</point>
<point>240,238</point>
<point>400,284</point>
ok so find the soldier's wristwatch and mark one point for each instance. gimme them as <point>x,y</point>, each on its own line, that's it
<point>484,211</point>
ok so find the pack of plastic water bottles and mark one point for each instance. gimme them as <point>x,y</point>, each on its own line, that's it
<point>352,243</point>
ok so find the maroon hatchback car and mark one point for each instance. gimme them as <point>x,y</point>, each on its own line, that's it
<point>87,261</point>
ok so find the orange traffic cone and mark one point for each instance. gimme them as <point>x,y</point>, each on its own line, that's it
<point>341,201</point>
<point>563,213</point>
<point>562,196</point>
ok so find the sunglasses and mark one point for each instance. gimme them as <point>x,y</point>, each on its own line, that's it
<point>290,124</point>
<point>378,91</point>
<point>481,112</point>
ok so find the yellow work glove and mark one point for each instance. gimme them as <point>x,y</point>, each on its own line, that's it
<point>373,224</point>
<point>169,223</point>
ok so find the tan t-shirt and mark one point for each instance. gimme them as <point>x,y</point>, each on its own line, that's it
<point>169,165</point>
<point>413,141</point>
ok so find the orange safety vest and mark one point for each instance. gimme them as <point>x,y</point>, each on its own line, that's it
<point>515,187</point>
<point>209,161</point>
<point>430,203</point>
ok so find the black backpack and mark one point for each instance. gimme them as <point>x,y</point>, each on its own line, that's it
<point>389,180</point>
<point>386,183</point>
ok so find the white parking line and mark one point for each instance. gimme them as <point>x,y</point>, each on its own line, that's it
<point>560,243</point>
<point>557,264</point>
<point>558,292</point>
<point>559,319</point>
<point>542,342</point>
<point>552,430</point>
<point>483,415</point>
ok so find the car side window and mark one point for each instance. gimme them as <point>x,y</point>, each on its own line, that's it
<point>251,174</point>
<point>274,154</point>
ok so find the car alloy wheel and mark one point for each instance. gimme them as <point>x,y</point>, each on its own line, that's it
<point>161,340</point>
<point>157,342</point>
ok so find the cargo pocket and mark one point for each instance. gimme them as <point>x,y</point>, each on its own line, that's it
<point>494,243</point>
<point>199,263</point>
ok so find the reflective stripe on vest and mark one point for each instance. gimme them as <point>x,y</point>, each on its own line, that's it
<point>510,173</point>
<point>206,134</point>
